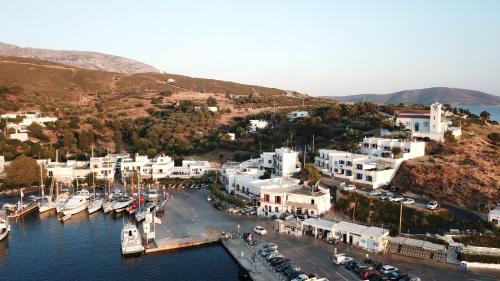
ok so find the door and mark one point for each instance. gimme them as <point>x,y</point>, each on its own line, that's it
<point>350,239</point>
<point>371,245</point>
<point>344,238</point>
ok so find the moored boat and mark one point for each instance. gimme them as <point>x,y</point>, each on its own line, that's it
<point>95,205</point>
<point>4,225</point>
<point>135,205</point>
<point>76,203</point>
<point>121,204</point>
<point>131,241</point>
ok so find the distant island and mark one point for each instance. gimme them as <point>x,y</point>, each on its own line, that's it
<point>443,95</point>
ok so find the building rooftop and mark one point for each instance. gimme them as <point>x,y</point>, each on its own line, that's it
<point>417,243</point>
<point>351,227</point>
<point>320,223</point>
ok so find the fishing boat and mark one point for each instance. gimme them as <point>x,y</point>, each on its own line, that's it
<point>131,240</point>
<point>4,225</point>
<point>76,203</point>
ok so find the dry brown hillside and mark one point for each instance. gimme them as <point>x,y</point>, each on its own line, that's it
<point>460,173</point>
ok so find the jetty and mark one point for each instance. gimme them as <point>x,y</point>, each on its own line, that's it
<point>181,242</point>
<point>21,213</point>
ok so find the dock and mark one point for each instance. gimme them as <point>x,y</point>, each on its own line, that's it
<point>249,260</point>
<point>23,212</point>
<point>181,242</point>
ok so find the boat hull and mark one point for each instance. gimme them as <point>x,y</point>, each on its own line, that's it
<point>107,207</point>
<point>4,233</point>
<point>75,210</point>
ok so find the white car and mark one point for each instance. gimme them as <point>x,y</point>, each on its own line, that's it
<point>386,269</point>
<point>408,201</point>
<point>375,193</point>
<point>432,205</point>
<point>301,277</point>
<point>340,259</point>
<point>349,187</point>
<point>396,198</point>
<point>260,230</point>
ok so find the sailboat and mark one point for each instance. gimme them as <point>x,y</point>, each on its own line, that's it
<point>49,203</point>
<point>124,201</point>
<point>96,203</point>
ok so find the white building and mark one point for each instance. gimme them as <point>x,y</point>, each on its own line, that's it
<point>297,114</point>
<point>369,238</point>
<point>285,161</point>
<point>212,108</point>
<point>162,166</point>
<point>68,171</point>
<point>257,125</point>
<point>231,136</point>
<point>494,216</point>
<point>2,164</point>
<point>430,124</point>
<point>294,199</point>
<point>103,168</point>
<point>19,136</point>
<point>382,147</point>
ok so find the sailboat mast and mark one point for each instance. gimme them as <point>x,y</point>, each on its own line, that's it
<point>41,181</point>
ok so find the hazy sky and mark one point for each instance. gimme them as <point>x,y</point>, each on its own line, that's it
<point>315,47</point>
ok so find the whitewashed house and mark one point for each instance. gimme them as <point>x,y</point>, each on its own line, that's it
<point>430,124</point>
<point>103,168</point>
<point>66,172</point>
<point>139,163</point>
<point>297,114</point>
<point>494,216</point>
<point>162,166</point>
<point>369,238</point>
<point>19,136</point>
<point>294,199</point>
<point>382,147</point>
<point>257,125</point>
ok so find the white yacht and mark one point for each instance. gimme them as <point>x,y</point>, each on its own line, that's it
<point>47,205</point>
<point>4,224</point>
<point>95,205</point>
<point>76,203</point>
<point>131,240</point>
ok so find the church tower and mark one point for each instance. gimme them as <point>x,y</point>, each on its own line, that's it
<point>436,116</point>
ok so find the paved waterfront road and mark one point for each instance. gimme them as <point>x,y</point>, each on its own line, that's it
<point>310,254</point>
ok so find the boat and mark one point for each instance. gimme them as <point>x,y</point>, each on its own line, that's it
<point>131,240</point>
<point>23,208</point>
<point>141,214</point>
<point>48,204</point>
<point>9,206</point>
<point>4,225</point>
<point>65,217</point>
<point>76,203</point>
<point>135,205</point>
<point>95,205</point>
<point>121,204</point>
<point>107,206</point>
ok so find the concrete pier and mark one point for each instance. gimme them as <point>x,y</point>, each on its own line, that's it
<point>176,243</point>
<point>254,264</point>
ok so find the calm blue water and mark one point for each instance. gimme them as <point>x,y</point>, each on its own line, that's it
<point>88,248</point>
<point>494,110</point>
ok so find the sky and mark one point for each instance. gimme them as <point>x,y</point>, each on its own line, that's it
<point>314,47</point>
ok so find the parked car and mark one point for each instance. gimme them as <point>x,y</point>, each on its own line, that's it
<point>209,198</point>
<point>260,230</point>
<point>301,277</point>
<point>271,246</point>
<point>386,269</point>
<point>368,273</point>
<point>384,196</point>
<point>340,259</point>
<point>375,193</point>
<point>275,254</point>
<point>396,198</point>
<point>408,201</point>
<point>395,276</point>
<point>432,205</point>
<point>349,187</point>
<point>350,264</point>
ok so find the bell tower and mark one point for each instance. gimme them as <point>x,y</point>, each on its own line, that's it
<point>435,122</point>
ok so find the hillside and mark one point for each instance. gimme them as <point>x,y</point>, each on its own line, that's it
<point>81,59</point>
<point>443,95</point>
<point>106,103</point>
<point>460,173</point>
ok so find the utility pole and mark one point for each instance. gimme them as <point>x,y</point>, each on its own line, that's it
<point>400,216</point>
<point>313,145</point>
<point>305,151</point>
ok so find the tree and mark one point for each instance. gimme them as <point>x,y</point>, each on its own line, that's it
<point>313,174</point>
<point>485,116</point>
<point>211,101</point>
<point>22,172</point>
<point>494,138</point>
<point>396,151</point>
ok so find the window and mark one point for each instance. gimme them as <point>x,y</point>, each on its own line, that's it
<point>359,166</point>
<point>348,173</point>
<point>349,163</point>
<point>335,170</point>
<point>266,197</point>
<point>312,201</point>
<point>426,124</point>
<point>277,199</point>
<point>359,176</point>
<point>341,162</point>
<point>276,209</point>
<point>374,146</point>
<point>369,178</point>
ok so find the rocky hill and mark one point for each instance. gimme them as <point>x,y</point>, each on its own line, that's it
<point>462,173</point>
<point>443,95</point>
<point>81,59</point>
